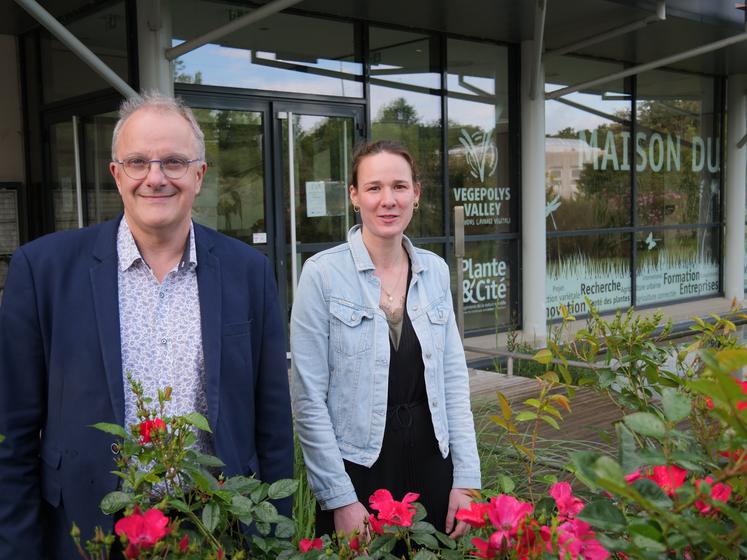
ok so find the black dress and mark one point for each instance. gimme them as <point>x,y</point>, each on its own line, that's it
<point>410,460</point>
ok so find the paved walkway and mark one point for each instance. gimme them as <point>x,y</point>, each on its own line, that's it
<point>592,414</point>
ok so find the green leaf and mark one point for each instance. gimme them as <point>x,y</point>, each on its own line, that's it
<point>446,540</point>
<point>424,554</point>
<point>282,488</point>
<point>604,515</point>
<point>198,421</point>
<point>423,527</point>
<point>114,429</point>
<point>651,491</point>
<point>551,421</point>
<point>207,460</point>
<point>179,505</point>
<point>425,539</point>
<point>242,506</point>
<point>265,512</point>
<point>505,484</point>
<point>533,402</point>
<point>628,448</point>
<point>115,501</point>
<point>526,415</point>
<point>240,484</point>
<point>676,406</point>
<point>285,528</point>
<point>544,356</point>
<point>263,528</point>
<point>609,469</point>
<point>420,512</point>
<point>646,424</point>
<point>211,516</point>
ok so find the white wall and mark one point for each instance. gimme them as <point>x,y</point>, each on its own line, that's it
<point>11,127</point>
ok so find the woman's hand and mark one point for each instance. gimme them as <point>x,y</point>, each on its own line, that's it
<point>350,518</point>
<point>459,498</point>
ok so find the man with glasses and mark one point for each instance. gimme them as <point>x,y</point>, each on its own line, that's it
<point>151,294</point>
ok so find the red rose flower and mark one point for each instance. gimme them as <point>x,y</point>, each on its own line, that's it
<point>184,543</point>
<point>669,478</point>
<point>143,531</point>
<point>307,544</point>
<point>720,492</point>
<point>148,427</point>
<point>392,512</point>
<point>475,515</point>
<point>376,525</point>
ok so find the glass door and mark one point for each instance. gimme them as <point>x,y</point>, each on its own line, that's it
<point>82,190</point>
<point>315,144</point>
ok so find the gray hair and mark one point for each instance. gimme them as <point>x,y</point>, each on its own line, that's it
<point>157,100</point>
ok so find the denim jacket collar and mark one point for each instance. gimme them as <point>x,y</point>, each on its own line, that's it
<point>363,260</point>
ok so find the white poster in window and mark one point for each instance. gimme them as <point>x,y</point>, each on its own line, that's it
<point>316,200</point>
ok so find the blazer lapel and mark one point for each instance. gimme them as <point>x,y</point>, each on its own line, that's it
<point>106,303</point>
<point>209,286</point>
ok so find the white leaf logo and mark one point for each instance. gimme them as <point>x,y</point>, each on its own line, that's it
<point>480,152</point>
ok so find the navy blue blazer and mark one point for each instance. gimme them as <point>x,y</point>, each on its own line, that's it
<point>61,371</point>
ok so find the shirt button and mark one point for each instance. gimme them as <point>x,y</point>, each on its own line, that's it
<point>435,403</point>
<point>428,355</point>
<point>163,341</point>
<point>415,307</point>
<point>161,295</point>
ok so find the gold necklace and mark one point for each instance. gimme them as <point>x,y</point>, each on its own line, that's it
<point>388,293</point>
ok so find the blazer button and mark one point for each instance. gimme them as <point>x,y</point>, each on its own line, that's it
<point>115,448</point>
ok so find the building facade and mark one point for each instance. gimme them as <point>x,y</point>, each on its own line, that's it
<point>586,141</point>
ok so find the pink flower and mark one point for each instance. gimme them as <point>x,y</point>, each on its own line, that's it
<point>632,477</point>
<point>392,512</point>
<point>720,492</point>
<point>669,478</point>
<point>148,427</point>
<point>143,531</point>
<point>305,545</point>
<point>505,513</point>
<point>568,504</point>
<point>475,515</point>
<point>577,540</point>
<point>527,544</point>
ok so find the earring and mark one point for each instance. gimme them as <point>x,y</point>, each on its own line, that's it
<point>416,205</point>
<point>356,209</point>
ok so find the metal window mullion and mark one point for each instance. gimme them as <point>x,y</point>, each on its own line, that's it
<point>78,180</point>
<point>633,190</point>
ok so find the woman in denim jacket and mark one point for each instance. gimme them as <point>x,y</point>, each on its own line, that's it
<point>379,384</point>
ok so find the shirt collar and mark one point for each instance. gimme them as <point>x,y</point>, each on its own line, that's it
<point>128,254</point>
<point>363,260</point>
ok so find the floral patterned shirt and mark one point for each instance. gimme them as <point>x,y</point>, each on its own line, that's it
<point>161,336</point>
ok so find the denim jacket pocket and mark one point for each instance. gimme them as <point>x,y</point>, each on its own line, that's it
<point>350,327</point>
<point>438,315</point>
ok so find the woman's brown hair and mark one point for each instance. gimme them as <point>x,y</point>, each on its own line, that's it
<point>365,149</point>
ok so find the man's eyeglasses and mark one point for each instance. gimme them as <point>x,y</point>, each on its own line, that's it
<point>138,168</point>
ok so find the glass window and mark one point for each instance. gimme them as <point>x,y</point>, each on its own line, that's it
<point>677,264</point>
<point>102,197</point>
<point>403,108</point>
<point>593,266</point>
<point>281,52</point>
<point>64,74</point>
<point>490,284</point>
<point>232,198</point>
<point>62,176</point>
<point>479,178</point>
<point>588,150</point>
<point>677,149</point>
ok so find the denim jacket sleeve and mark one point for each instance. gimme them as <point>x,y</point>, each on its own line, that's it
<point>462,440</point>
<point>309,339</point>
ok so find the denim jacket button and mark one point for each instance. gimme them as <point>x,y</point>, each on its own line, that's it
<point>353,317</point>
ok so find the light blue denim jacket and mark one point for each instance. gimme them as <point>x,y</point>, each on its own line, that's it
<point>340,349</point>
